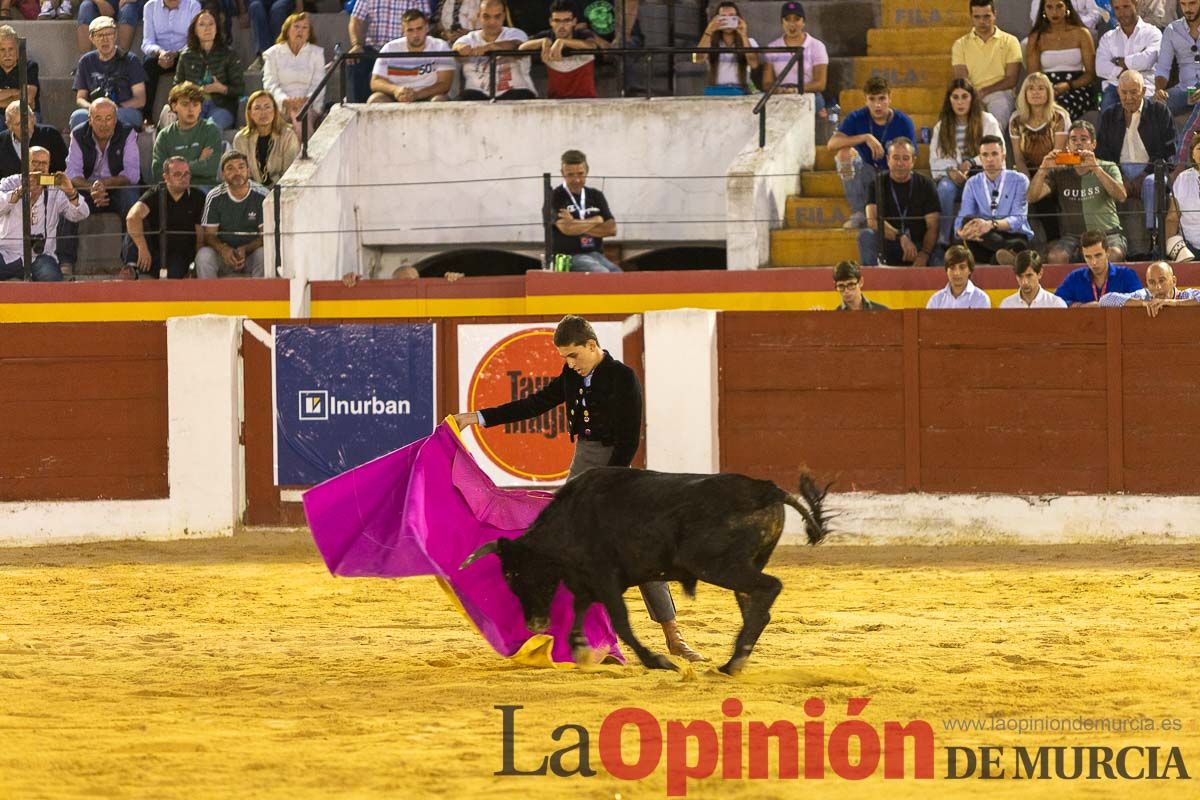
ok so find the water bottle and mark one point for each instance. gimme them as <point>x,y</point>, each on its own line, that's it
<point>835,113</point>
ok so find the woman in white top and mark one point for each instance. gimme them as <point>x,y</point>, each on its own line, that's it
<point>954,148</point>
<point>1183,218</point>
<point>293,68</point>
<point>1062,47</point>
<point>727,74</point>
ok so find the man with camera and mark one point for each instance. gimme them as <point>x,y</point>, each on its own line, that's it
<point>51,197</point>
<point>111,73</point>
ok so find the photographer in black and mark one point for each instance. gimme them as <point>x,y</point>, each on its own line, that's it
<point>51,197</point>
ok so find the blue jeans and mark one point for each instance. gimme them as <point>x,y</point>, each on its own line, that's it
<point>221,117</point>
<point>592,262</point>
<point>1148,198</point>
<point>266,19</point>
<point>360,76</point>
<point>948,193</point>
<point>1110,98</point>
<point>1177,102</point>
<point>45,270</point>
<point>130,116</point>
<point>129,14</point>
<point>857,187</point>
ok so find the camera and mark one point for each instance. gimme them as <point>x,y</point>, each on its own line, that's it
<point>37,243</point>
<point>730,22</point>
<point>47,180</point>
<point>1068,159</point>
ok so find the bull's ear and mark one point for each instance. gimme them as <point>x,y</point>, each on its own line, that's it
<point>491,548</point>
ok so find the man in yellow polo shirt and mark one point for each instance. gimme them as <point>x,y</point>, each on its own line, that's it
<point>990,59</point>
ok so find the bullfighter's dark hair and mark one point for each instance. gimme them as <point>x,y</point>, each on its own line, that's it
<point>574,330</point>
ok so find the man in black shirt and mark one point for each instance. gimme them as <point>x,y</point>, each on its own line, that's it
<point>46,136</point>
<point>604,418</point>
<point>581,218</point>
<point>10,80</point>
<point>184,206</point>
<point>910,213</point>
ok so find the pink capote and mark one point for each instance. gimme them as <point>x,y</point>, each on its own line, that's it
<point>421,510</point>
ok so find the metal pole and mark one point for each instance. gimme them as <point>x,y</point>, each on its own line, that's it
<point>277,193</point>
<point>162,228</point>
<point>547,221</point>
<point>492,74</point>
<point>879,235</point>
<point>620,37</point>
<point>762,128</point>
<point>671,43</point>
<point>26,228</point>
<point>649,77</point>
<point>1160,207</point>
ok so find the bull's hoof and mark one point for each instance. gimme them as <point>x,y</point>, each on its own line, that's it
<point>733,667</point>
<point>658,661</point>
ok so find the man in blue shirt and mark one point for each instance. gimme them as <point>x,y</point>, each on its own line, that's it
<point>994,218</point>
<point>861,144</point>
<point>1086,285</point>
<point>1159,293</point>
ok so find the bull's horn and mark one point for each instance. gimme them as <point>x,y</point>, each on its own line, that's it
<point>491,548</point>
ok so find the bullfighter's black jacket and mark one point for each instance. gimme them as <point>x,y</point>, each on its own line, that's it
<point>609,411</point>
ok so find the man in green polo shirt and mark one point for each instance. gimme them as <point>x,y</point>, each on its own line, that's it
<point>232,223</point>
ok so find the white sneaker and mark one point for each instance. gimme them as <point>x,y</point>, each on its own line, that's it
<point>48,10</point>
<point>64,10</point>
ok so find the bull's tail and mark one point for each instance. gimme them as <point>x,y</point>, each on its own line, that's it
<point>816,516</point>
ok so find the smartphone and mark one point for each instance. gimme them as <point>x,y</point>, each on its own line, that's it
<point>1066,158</point>
<point>730,22</point>
<point>46,180</point>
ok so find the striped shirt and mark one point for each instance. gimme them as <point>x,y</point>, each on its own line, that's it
<point>383,18</point>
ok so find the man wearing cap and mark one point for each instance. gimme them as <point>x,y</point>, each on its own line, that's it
<point>814,63</point>
<point>109,72</point>
<point>232,223</point>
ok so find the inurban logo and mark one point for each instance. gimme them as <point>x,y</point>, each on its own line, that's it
<point>316,405</point>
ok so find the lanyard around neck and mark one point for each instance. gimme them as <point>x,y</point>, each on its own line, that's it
<point>581,203</point>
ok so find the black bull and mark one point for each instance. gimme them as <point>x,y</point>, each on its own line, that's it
<point>612,528</point>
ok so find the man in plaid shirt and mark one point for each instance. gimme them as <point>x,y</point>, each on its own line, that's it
<point>373,24</point>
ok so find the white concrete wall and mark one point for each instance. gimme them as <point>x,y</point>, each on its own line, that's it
<point>681,391</point>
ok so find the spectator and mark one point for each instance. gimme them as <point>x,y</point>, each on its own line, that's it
<point>994,222</point>
<point>1135,134</point>
<point>183,205</point>
<point>269,146</point>
<point>1158,13</point>
<point>1087,190</point>
<point>1028,269</point>
<point>1159,293</point>
<point>814,63</point>
<point>728,73</point>
<point>860,143</point>
<point>990,59</point>
<point>1182,225</point>
<point>374,23</point>
<point>412,79</point>
<point>1039,126</point>
<point>1176,48</point>
<point>954,152</point>
<point>1087,284</point>
<point>10,79</point>
<point>512,74</point>
<point>1088,12</point>
<point>959,291</point>
<point>293,68</point>
<point>48,205</point>
<point>208,62</point>
<point>46,136</point>
<point>1134,45</point>
<point>847,279</point>
<point>190,137</point>
<point>582,218</point>
<point>233,223</point>
<point>456,19</point>
<point>401,273</point>
<point>567,76</point>
<point>29,9</point>
<point>267,18</point>
<point>164,35</point>
<point>127,13</point>
<point>109,72</point>
<point>910,213</point>
<point>1060,46</point>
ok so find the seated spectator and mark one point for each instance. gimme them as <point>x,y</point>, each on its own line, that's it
<point>127,13</point>
<point>910,213</point>
<point>181,207</point>
<point>567,76</point>
<point>109,72</point>
<point>293,69</point>
<point>728,73</point>
<point>1134,45</point>
<point>196,140</point>
<point>48,205</point>
<point>266,20</point>
<point>1159,13</point>
<point>1182,225</point>
<point>815,62</point>
<point>46,136</point>
<point>28,9</point>
<point>1175,49</point>
<point>1135,134</point>
<point>582,218</point>
<point>413,79</point>
<point>512,74</point>
<point>959,291</point>
<point>233,223</point>
<point>847,279</point>
<point>1028,268</point>
<point>1060,46</point>
<point>164,35</point>
<point>1159,293</point>
<point>1039,126</point>
<point>990,59</point>
<point>860,144</point>
<point>208,62</point>
<point>269,146</point>
<point>994,221</point>
<point>1088,12</point>
<point>1087,284</point>
<point>373,23</point>
<point>1088,191</point>
<point>954,148</point>
<point>402,273</point>
<point>10,79</point>
<point>455,20</point>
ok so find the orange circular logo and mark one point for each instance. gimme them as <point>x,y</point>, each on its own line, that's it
<point>521,364</point>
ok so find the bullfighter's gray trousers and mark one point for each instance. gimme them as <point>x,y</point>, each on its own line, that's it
<point>656,593</point>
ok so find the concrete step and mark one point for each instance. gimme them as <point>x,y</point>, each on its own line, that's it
<point>822,247</point>
<point>51,43</point>
<point>99,245</point>
<point>815,212</point>
<point>825,159</point>
<point>925,14</point>
<point>905,41</point>
<point>927,71</point>
<point>824,183</point>
<point>909,99</point>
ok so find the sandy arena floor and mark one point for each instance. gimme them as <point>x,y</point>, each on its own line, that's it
<point>240,668</point>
